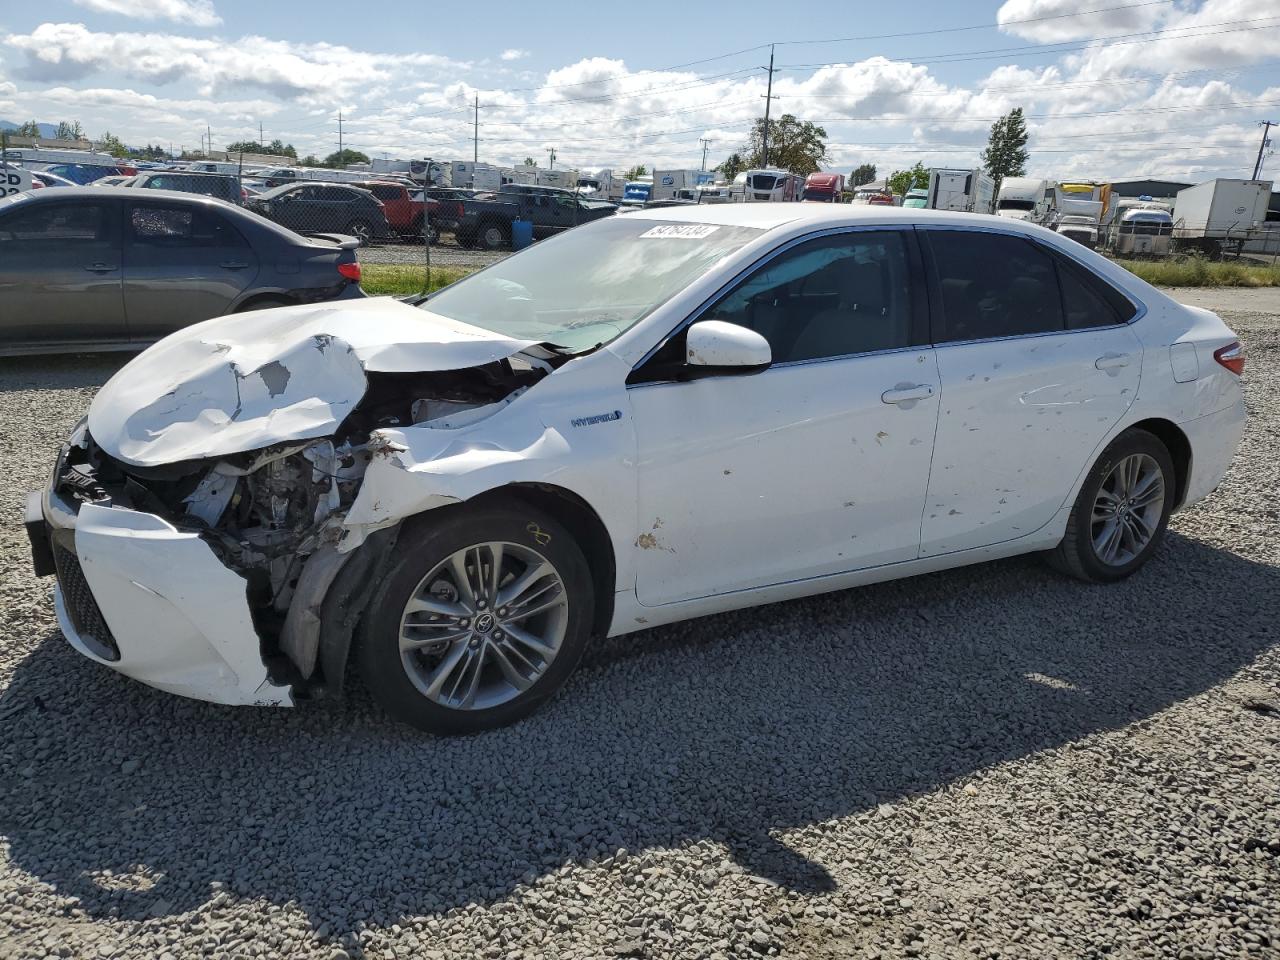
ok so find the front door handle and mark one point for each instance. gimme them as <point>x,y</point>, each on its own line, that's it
<point>1110,361</point>
<point>233,264</point>
<point>907,393</point>
<point>100,267</point>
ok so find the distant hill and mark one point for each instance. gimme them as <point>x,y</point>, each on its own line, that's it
<point>46,129</point>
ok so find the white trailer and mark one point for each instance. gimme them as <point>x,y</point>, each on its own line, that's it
<point>1219,212</point>
<point>536,176</point>
<point>1025,198</point>
<point>666,183</point>
<point>601,186</point>
<point>965,191</point>
<point>476,176</point>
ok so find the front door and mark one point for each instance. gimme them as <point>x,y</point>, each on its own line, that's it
<point>1037,366</point>
<point>60,273</point>
<point>816,466</point>
<point>183,263</point>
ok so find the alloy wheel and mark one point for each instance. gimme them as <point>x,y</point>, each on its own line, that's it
<point>1127,509</point>
<point>483,625</point>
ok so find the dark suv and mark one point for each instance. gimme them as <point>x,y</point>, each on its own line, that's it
<point>318,207</point>
<point>220,186</point>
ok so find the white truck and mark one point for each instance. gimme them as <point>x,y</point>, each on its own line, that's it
<point>1025,198</point>
<point>966,191</point>
<point>476,176</point>
<point>536,176</point>
<point>668,183</point>
<point>1219,213</point>
<point>602,185</point>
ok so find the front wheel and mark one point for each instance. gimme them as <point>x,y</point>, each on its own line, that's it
<point>482,617</point>
<point>1121,513</point>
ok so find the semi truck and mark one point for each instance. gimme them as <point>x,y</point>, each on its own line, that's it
<point>1025,198</point>
<point>771,184</point>
<point>1219,214</point>
<point>826,187</point>
<point>965,191</point>
<point>667,183</point>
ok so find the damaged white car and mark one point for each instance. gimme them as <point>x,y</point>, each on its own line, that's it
<point>646,419</point>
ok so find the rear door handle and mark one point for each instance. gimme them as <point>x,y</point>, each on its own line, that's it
<point>100,267</point>
<point>233,264</point>
<point>921,391</point>
<point>1109,361</point>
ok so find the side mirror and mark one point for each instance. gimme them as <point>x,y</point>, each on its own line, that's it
<point>714,347</point>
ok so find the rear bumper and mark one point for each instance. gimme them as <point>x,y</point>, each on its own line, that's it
<point>154,603</point>
<point>1214,440</point>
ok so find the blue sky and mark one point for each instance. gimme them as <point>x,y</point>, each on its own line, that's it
<point>1113,87</point>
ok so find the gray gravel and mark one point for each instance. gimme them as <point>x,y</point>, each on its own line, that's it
<point>987,762</point>
<point>443,254</point>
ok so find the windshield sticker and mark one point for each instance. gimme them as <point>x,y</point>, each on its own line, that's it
<point>680,231</point>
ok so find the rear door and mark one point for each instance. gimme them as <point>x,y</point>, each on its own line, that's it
<point>1037,363</point>
<point>60,273</point>
<point>183,263</point>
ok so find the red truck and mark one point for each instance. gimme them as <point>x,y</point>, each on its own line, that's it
<point>402,206</point>
<point>826,187</point>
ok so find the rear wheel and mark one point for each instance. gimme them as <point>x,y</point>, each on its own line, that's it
<point>1121,513</point>
<point>361,230</point>
<point>493,236</point>
<point>483,616</point>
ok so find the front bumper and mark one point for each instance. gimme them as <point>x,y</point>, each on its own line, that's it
<point>152,602</point>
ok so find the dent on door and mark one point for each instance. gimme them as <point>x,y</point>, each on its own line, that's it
<point>1020,421</point>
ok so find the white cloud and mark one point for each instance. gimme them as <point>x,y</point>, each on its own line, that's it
<point>1071,19</point>
<point>69,51</point>
<point>513,54</point>
<point>198,13</point>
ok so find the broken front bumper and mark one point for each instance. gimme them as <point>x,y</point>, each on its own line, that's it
<point>150,601</point>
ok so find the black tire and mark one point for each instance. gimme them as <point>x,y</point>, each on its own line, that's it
<point>494,236</point>
<point>264,303</point>
<point>361,230</point>
<point>424,544</point>
<point>465,240</point>
<point>1076,555</point>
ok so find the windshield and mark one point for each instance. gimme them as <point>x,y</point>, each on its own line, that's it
<point>763,181</point>
<point>588,285</point>
<point>1010,203</point>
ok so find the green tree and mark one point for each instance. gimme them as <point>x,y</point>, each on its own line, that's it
<point>276,148</point>
<point>311,160</point>
<point>636,172</point>
<point>69,131</point>
<point>900,181</point>
<point>530,162</point>
<point>28,129</point>
<point>795,145</point>
<point>341,158</point>
<point>1006,154</point>
<point>110,143</point>
<point>733,165</point>
<point>864,173</point>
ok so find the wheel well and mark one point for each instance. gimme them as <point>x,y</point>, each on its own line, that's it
<point>258,300</point>
<point>1175,441</point>
<point>588,530</point>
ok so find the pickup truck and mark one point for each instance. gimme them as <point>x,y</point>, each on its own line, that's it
<point>402,207</point>
<point>485,221</point>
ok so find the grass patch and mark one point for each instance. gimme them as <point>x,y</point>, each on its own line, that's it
<point>1198,272</point>
<point>401,279</point>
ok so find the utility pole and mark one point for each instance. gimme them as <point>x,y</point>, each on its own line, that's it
<point>706,144</point>
<point>552,152</point>
<point>768,100</point>
<point>209,141</point>
<point>1266,126</point>
<point>339,135</point>
<point>260,137</point>
<point>475,136</point>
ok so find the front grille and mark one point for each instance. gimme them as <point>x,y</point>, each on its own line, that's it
<point>83,610</point>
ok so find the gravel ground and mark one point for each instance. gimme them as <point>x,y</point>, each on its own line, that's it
<point>987,762</point>
<point>444,254</point>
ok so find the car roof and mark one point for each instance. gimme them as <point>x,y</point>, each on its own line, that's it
<point>772,215</point>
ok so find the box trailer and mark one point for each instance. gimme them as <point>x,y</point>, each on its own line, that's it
<point>1219,212</point>
<point>667,182</point>
<point>966,191</point>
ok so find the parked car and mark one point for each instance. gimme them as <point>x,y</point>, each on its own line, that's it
<point>402,207</point>
<point>43,178</point>
<point>112,181</point>
<point>653,417</point>
<point>221,186</point>
<point>89,269</point>
<point>82,174</point>
<point>313,207</point>
<point>487,222</point>
<point>915,199</point>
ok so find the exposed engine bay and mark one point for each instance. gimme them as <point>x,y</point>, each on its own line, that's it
<point>266,512</point>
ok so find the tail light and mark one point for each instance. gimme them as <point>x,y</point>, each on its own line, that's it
<point>244,194</point>
<point>350,270</point>
<point>1232,357</point>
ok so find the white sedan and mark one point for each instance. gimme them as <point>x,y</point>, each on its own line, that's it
<point>646,419</point>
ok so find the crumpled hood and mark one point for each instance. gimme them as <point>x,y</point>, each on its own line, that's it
<point>250,380</point>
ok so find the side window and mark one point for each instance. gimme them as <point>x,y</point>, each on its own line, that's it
<point>992,285</point>
<point>57,222</point>
<point>1087,300</point>
<point>844,294</point>
<point>181,227</point>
